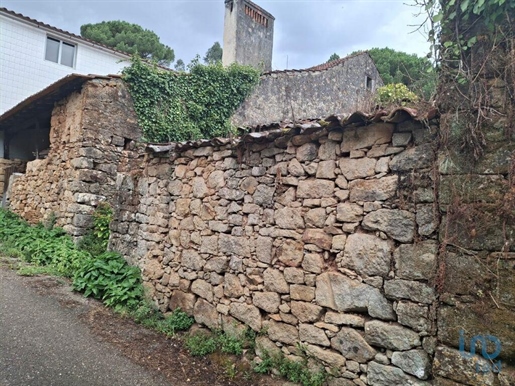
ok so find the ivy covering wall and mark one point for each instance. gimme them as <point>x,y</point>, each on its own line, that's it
<point>175,106</point>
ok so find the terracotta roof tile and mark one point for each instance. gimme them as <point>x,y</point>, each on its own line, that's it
<point>320,67</point>
<point>281,131</point>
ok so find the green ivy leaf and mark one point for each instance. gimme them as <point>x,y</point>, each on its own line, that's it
<point>438,17</point>
<point>472,41</point>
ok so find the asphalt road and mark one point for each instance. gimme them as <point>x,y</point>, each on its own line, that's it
<point>44,343</point>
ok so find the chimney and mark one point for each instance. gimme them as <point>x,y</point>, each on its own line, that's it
<point>248,35</point>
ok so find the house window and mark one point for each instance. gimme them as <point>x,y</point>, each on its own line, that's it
<point>369,83</point>
<point>61,52</point>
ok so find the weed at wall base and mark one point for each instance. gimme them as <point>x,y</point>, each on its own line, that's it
<point>149,316</point>
<point>294,371</point>
<point>205,343</point>
<point>107,276</point>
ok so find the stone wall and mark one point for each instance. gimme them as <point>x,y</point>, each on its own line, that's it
<point>326,234</point>
<point>11,166</point>
<point>326,238</point>
<point>306,94</point>
<point>476,192</point>
<point>89,130</point>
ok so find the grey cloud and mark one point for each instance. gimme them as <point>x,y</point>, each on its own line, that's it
<point>305,32</point>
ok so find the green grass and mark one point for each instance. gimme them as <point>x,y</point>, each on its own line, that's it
<point>201,344</point>
<point>294,371</point>
<point>35,270</point>
<point>204,343</point>
<point>150,317</point>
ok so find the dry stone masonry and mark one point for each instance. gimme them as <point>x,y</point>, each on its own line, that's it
<point>345,85</point>
<point>326,238</point>
<point>7,168</point>
<point>326,235</point>
<point>89,130</point>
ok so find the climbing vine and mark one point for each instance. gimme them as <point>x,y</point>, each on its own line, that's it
<point>457,25</point>
<point>473,44</point>
<point>175,106</point>
<point>474,47</point>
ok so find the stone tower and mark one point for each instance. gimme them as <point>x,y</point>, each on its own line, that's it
<point>248,35</point>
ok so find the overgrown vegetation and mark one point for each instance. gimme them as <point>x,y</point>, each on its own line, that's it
<point>473,43</point>
<point>39,245</point>
<point>98,273</point>
<point>184,106</point>
<point>94,271</point>
<point>149,316</point>
<point>418,74</point>
<point>474,47</point>
<point>457,25</point>
<point>294,371</point>
<point>204,343</point>
<point>96,239</point>
<point>109,278</point>
<point>395,94</point>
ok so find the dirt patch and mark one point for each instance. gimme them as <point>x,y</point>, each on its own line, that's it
<point>168,356</point>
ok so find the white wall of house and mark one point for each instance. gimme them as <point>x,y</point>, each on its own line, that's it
<point>25,69</point>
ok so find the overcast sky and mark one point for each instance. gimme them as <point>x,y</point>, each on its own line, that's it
<point>306,32</point>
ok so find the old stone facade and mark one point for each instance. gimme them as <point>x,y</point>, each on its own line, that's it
<point>326,234</point>
<point>7,167</point>
<point>323,238</point>
<point>89,130</point>
<point>339,87</point>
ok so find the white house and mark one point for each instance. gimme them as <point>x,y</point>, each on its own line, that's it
<point>34,55</point>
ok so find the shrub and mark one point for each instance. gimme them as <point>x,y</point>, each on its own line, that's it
<point>395,94</point>
<point>97,238</point>
<point>39,245</point>
<point>109,278</point>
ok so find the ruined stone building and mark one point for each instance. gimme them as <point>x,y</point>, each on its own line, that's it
<point>341,87</point>
<point>324,233</point>
<point>381,249</point>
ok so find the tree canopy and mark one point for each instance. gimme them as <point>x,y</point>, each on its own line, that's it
<point>409,69</point>
<point>399,67</point>
<point>180,65</point>
<point>214,54</point>
<point>129,38</point>
<point>334,56</point>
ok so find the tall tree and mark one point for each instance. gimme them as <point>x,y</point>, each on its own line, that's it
<point>180,65</point>
<point>214,54</point>
<point>129,38</point>
<point>334,56</point>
